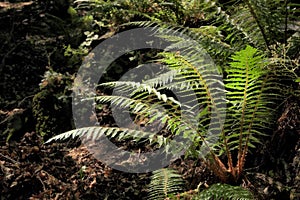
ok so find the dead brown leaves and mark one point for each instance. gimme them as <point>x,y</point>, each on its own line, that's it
<point>31,170</point>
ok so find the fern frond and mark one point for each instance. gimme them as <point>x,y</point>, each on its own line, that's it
<point>136,87</point>
<point>263,23</point>
<point>250,92</point>
<point>96,132</point>
<point>164,182</point>
<point>214,44</point>
<point>225,192</point>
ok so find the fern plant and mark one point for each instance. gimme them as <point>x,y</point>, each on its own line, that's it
<point>250,83</point>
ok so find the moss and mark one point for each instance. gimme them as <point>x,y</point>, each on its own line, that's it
<point>52,105</point>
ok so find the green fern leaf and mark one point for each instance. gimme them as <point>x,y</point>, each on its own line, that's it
<point>164,183</point>
<point>224,192</point>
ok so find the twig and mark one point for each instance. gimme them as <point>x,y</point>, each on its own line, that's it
<point>10,159</point>
<point>20,103</point>
<point>39,178</point>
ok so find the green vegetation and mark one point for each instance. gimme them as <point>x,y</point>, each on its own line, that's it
<point>51,106</point>
<point>165,182</point>
<point>254,46</point>
<point>224,191</point>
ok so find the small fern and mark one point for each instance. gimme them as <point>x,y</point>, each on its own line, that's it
<point>224,192</point>
<point>167,184</point>
<point>164,183</point>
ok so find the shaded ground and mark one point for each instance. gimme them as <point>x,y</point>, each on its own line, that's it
<point>32,170</point>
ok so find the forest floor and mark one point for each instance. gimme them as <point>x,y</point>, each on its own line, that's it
<point>33,170</point>
<point>67,170</point>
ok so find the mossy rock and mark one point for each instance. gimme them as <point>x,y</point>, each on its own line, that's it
<point>51,107</point>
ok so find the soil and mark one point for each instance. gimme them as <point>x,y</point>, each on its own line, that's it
<point>33,170</point>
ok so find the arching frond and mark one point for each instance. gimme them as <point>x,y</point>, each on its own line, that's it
<point>96,132</point>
